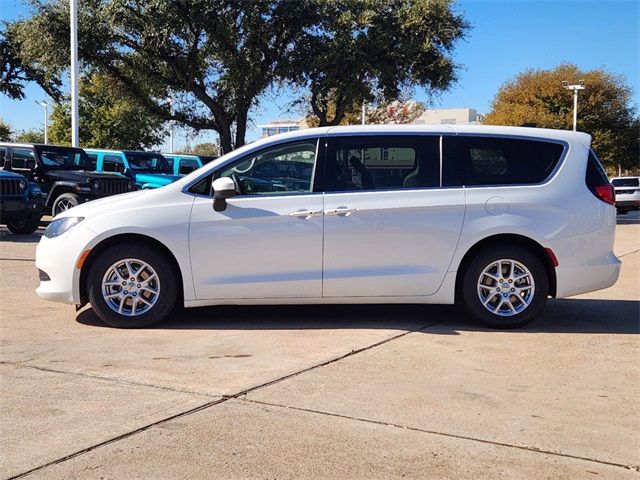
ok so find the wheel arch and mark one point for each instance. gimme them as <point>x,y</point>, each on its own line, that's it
<point>145,240</point>
<point>58,189</point>
<point>511,239</point>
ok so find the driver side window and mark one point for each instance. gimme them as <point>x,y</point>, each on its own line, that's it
<point>282,170</point>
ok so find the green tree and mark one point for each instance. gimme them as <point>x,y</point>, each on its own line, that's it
<point>396,112</point>
<point>16,72</point>
<point>207,148</point>
<point>604,109</point>
<point>5,131</point>
<point>215,58</point>
<point>109,118</point>
<point>372,51</point>
<point>212,57</point>
<point>30,136</point>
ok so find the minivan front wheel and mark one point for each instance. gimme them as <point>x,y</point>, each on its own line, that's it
<point>505,287</point>
<point>132,286</point>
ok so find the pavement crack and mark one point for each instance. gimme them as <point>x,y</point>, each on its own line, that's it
<point>206,405</point>
<point>628,253</point>
<point>444,434</point>
<point>108,379</point>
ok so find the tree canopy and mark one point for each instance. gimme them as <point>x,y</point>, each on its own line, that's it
<point>109,116</point>
<point>604,109</point>
<point>5,131</point>
<point>206,148</point>
<point>370,51</point>
<point>215,58</point>
<point>396,112</point>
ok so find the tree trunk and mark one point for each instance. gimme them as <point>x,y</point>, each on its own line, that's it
<point>225,139</point>
<point>241,126</point>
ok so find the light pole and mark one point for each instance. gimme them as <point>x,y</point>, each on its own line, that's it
<point>171,125</point>
<point>575,88</point>
<point>73,5</point>
<point>46,106</point>
<point>364,111</point>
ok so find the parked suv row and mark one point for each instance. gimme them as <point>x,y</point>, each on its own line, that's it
<point>21,202</point>
<point>61,173</point>
<point>145,169</point>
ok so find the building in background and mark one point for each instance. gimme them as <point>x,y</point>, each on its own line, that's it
<point>449,116</point>
<point>275,127</point>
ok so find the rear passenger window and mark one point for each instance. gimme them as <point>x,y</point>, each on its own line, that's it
<point>112,163</point>
<point>92,161</point>
<point>382,163</point>
<point>497,161</point>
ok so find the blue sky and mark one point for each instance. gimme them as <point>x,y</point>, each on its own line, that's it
<point>507,37</point>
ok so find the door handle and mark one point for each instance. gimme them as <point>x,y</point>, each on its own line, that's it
<point>342,211</point>
<point>305,213</point>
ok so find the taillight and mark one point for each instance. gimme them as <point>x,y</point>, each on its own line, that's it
<point>597,181</point>
<point>606,193</point>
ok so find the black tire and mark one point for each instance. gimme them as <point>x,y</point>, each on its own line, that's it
<point>65,202</point>
<point>168,286</point>
<point>24,225</point>
<point>472,276</point>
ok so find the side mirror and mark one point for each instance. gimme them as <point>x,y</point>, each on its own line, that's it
<point>222,188</point>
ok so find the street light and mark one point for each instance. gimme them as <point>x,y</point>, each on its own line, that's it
<point>73,7</point>
<point>575,88</point>
<point>171,124</point>
<point>46,106</point>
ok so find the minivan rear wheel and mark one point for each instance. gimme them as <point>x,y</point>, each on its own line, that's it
<point>505,286</point>
<point>132,286</point>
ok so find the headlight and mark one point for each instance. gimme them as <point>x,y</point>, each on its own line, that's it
<point>23,185</point>
<point>58,227</point>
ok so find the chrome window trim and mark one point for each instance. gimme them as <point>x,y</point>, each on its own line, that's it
<point>566,148</point>
<point>317,138</point>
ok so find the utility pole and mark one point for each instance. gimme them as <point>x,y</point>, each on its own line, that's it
<point>46,106</point>
<point>73,4</point>
<point>364,111</point>
<point>575,89</point>
<point>171,125</point>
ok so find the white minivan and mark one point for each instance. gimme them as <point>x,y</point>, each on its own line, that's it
<point>495,218</point>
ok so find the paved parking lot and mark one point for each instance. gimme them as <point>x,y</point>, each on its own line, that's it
<point>320,392</point>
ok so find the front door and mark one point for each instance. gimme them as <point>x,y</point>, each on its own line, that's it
<point>268,241</point>
<point>390,230</point>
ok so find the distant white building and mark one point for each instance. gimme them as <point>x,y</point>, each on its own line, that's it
<point>449,116</point>
<point>275,127</point>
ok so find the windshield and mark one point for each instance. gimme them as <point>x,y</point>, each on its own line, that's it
<point>626,182</point>
<point>63,157</point>
<point>147,162</point>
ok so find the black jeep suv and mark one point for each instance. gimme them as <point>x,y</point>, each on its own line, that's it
<point>62,175</point>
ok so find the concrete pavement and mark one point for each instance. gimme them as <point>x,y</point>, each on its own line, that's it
<point>317,392</point>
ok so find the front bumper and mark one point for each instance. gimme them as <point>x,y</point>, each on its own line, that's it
<point>58,258</point>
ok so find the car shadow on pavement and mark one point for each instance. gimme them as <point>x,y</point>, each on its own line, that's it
<point>561,316</point>
<point>7,236</point>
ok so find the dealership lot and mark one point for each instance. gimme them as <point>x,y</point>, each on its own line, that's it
<point>317,392</point>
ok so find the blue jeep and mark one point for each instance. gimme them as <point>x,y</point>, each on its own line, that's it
<point>182,163</point>
<point>146,169</point>
<point>21,203</point>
